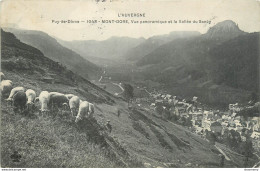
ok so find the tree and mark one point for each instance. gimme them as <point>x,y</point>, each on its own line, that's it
<point>128,93</point>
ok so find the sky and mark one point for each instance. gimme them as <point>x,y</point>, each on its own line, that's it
<point>43,15</point>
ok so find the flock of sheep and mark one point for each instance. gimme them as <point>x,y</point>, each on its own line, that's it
<point>22,100</point>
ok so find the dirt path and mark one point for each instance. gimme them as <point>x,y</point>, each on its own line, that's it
<point>147,92</point>
<point>222,152</point>
<point>119,87</point>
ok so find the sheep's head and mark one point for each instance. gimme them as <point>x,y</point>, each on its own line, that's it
<point>44,111</point>
<point>91,109</point>
<point>36,99</point>
<point>9,101</point>
<point>65,106</point>
<point>30,105</point>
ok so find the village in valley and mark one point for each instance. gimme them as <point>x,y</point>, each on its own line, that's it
<point>238,127</point>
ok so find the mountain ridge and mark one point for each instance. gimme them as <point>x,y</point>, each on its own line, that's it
<point>112,48</point>
<point>189,62</point>
<point>221,29</point>
<point>50,47</point>
<point>154,42</point>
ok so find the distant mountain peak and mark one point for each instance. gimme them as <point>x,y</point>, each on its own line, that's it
<point>223,28</point>
<point>227,25</point>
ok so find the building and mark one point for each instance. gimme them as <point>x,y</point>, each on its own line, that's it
<point>255,135</point>
<point>196,116</point>
<point>256,123</point>
<point>208,114</point>
<point>206,124</point>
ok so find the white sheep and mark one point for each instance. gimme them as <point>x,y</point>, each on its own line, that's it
<point>86,109</point>
<point>6,87</point>
<point>74,104</point>
<point>44,98</point>
<point>30,95</point>
<point>14,91</point>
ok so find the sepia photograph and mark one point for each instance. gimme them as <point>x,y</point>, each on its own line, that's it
<point>130,84</point>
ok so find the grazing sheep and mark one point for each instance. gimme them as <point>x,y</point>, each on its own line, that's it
<point>14,91</point>
<point>19,101</point>
<point>74,104</point>
<point>30,95</point>
<point>6,87</point>
<point>58,100</point>
<point>44,98</point>
<point>83,111</point>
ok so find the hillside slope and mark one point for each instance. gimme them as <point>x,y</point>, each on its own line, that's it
<point>55,51</point>
<point>112,48</point>
<point>200,66</point>
<point>62,144</point>
<point>236,62</point>
<point>192,50</point>
<point>138,136</point>
<point>154,42</point>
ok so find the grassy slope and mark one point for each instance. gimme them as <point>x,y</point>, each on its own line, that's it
<point>51,142</point>
<point>44,142</point>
